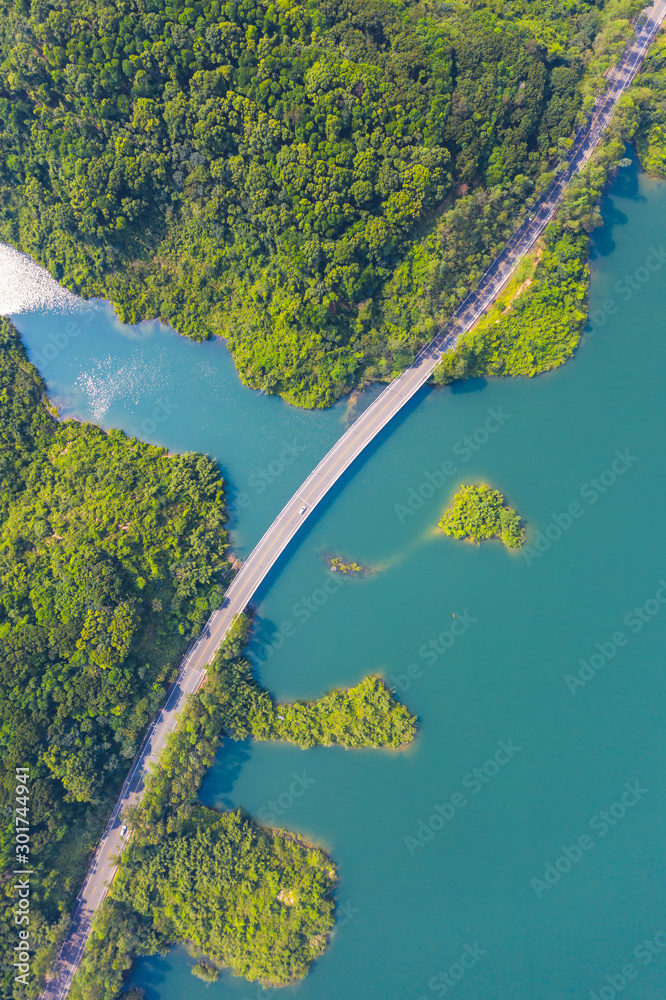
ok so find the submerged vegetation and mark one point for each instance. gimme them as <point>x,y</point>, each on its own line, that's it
<point>206,971</point>
<point>338,565</point>
<point>477,513</point>
<point>318,182</point>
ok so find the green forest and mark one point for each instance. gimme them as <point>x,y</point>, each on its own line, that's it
<point>258,902</point>
<point>252,900</point>
<point>366,715</point>
<point>317,182</point>
<point>112,555</point>
<point>541,328</point>
<point>320,183</point>
<point>478,512</point>
<point>645,110</point>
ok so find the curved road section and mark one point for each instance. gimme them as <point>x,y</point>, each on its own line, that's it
<point>192,670</point>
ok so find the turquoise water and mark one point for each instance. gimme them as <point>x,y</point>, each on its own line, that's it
<point>168,390</point>
<point>456,901</point>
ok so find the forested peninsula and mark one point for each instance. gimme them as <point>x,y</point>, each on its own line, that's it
<point>256,901</point>
<point>318,182</point>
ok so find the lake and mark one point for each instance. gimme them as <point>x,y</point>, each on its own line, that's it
<point>516,850</point>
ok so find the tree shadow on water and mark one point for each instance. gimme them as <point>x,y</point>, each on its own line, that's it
<point>220,779</point>
<point>468,385</point>
<point>151,973</point>
<point>623,184</point>
<point>602,243</point>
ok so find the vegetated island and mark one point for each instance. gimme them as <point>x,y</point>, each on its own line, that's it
<point>254,900</point>
<point>478,513</point>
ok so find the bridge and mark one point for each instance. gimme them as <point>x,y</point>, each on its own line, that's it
<point>192,670</point>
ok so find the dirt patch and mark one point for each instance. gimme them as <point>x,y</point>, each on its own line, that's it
<point>525,284</point>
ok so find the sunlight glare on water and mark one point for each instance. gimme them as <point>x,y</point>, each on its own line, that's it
<point>25,286</point>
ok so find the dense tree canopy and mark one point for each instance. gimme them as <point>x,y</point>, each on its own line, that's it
<point>645,110</point>
<point>477,512</point>
<point>537,323</point>
<point>258,901</point>
<point>318,181</point>
<point>254,900</point>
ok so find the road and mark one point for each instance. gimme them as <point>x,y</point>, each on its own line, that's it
<point>192,670</point>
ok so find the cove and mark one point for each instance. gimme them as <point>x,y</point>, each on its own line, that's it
<point>168,390</point>
<point>466,870</point>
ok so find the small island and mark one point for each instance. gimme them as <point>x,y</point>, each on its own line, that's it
<point>478,512</point>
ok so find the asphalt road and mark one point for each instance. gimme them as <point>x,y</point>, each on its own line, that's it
<point>192,670</point>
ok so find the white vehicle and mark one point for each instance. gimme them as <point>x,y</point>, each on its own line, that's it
<point>124,830</point>
<point>302,510</point>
